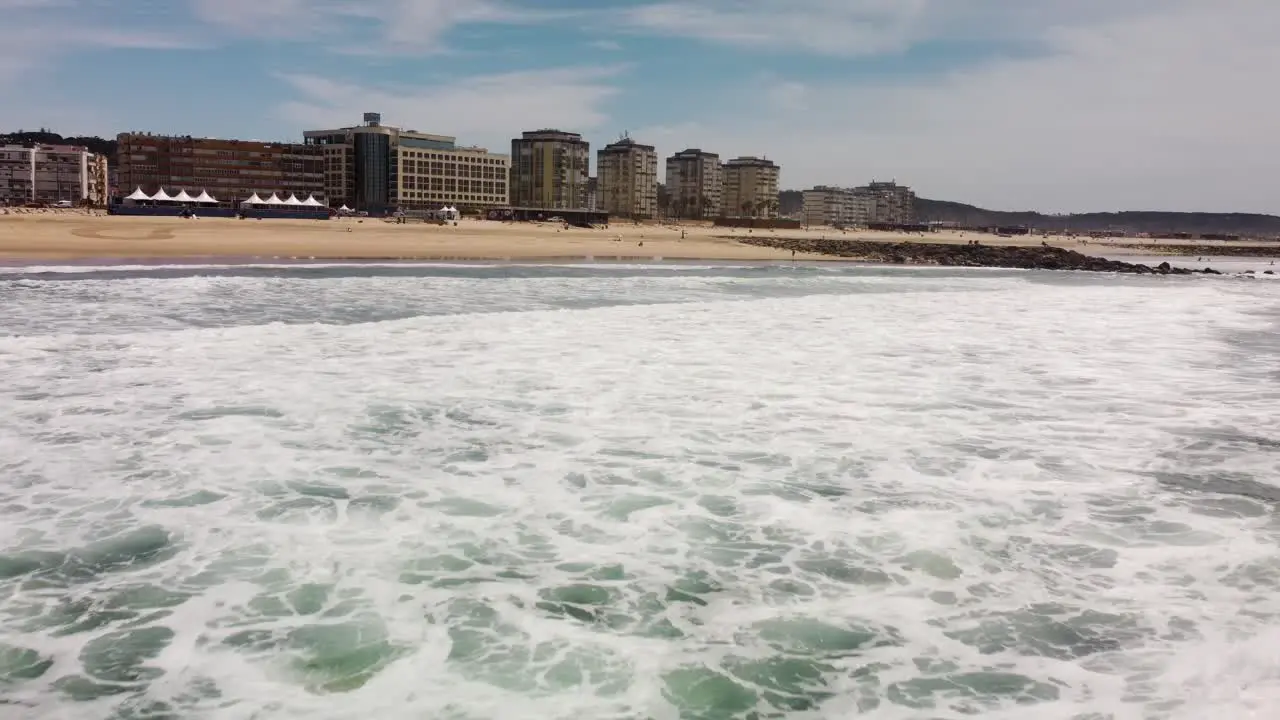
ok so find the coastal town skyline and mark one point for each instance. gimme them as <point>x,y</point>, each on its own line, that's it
<point>986,102</point>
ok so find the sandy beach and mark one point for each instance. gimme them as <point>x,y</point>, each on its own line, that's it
<point>75,236</point>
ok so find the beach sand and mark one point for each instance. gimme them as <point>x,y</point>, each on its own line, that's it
<point>75,236</point>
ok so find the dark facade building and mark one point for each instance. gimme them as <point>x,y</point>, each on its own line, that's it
<point>229,170</point>
<point>550,169</point>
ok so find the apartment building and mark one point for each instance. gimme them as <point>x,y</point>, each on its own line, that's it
<point>628,179</point>
<point>51,174</point>
<point>99,190</point>
<point>17,175</point>
<point>695,184</point>
<point>229,170</point>
<point>885,202</point>
<point>378,168</point>
<point>750,187</point>
<point>550,169</point>
<point>833,206</point>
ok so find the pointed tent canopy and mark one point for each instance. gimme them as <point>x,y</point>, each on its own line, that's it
<point>444,209</point>
<point>205,197</point>
<point>292,200</point>
<point>182,196</point>
<point>254,200</point>
<point>312,202</point>
<point>344,208</point>
<point>138,195</point>
<point>161,195</point>
<point>273,200</point>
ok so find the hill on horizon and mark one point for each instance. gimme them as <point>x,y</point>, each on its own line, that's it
<point>1131,221</point>
<point>94,143</point>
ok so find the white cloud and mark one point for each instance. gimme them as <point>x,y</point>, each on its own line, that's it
<point>607,45</point>
<point>853,28</point>
<point>486,110</point>
<point>37,33</point>
<point>400,26</point>
<point>1137,111</point>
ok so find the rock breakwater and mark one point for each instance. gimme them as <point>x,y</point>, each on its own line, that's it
<point>1042,257</point>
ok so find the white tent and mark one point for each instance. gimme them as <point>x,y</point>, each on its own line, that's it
<point>254,200</point>
<point>205,197</point>
<point>292,200</point>
<point>162,196</point>
<point>311,201</point>
<point>273,200</point>
<point>182,196</point>
<point>344,208</point>
<point>138,195</point>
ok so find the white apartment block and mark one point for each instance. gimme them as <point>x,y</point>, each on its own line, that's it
<point>51,174</point>
<point>832,206</point>
<point>377,167</point>
<point>695,184</point>
<point>879,202</point>
<point>750,187</point>
<point>627,180</point>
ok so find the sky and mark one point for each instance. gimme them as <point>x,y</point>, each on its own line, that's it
<point>1049,105</point>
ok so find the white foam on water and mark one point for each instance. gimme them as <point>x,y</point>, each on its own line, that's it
<point>909,497</point>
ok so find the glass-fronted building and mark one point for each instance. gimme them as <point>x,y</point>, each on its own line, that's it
<point>380,169</point>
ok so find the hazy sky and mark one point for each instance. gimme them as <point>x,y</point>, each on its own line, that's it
<point>1053,105</point>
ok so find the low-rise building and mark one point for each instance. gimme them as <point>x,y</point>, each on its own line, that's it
<point>750,187</point>
<point>229,170</point>
<point>377,168</point>
<point>52,174</point>
<point>695,184</point>
<point>17,175</point>
<point>628,179</point>
<point>885,202</point>
<point>99,180</point>
<point>833,206</point>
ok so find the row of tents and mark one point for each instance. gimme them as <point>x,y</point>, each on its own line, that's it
<point>204,198</point>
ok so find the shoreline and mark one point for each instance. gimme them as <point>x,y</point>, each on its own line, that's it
<point>90,240</point>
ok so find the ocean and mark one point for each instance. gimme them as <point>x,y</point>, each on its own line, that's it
<point>609,492</point>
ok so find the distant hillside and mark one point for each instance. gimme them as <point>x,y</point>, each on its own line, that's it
<point>28,137</point>
<point>792,202</point>
<point>1129,221</point>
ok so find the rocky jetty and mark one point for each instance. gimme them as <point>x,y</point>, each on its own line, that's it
<point>1041,257</point>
